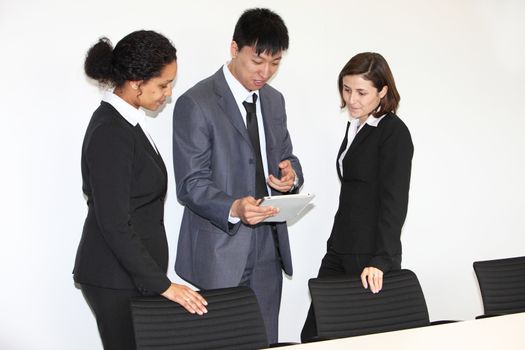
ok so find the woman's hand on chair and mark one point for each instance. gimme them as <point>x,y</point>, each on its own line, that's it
<point>372,277</point>
<point>187,298</point>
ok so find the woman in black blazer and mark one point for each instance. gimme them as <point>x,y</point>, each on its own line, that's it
<point>123,251</point>
<point>373,164</point>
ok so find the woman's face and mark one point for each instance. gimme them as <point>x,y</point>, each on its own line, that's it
<point>361,97</point>
<point>155,91</point>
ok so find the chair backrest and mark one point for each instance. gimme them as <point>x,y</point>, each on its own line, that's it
<point>502,285</point>
<point>233,321</point>
<point>343,308</point>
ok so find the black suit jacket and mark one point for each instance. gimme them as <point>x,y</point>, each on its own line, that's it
<point>374,192</point>
<point>123,244</point>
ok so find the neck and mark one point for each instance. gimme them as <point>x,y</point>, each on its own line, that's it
<point>362,120</point>
<point>127,94</point>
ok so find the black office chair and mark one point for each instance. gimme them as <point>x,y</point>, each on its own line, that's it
<point>233,321</point>
<point>343,308</point>
<point>502,285</point>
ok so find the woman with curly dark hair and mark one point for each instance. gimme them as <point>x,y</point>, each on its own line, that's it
<point>123,252</point>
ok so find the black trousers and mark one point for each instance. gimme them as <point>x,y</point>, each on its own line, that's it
<point>335,264</point>
<point>112,311</point>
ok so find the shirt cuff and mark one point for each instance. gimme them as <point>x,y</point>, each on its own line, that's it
<point>233,220</point>
<point>295,183</point>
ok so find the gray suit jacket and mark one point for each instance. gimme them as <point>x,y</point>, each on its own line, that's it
<point>214,165</point>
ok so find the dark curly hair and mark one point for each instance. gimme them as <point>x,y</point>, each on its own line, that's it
<point>140,55</point>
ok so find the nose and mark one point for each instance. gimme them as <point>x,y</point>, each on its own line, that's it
<point>169,90</point>
<point>352,98</point>
<point>265,71</point>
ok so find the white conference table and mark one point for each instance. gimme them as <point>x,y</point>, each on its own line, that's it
<point>494,333</point>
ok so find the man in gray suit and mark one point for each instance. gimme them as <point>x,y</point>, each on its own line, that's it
<point>230,148</point>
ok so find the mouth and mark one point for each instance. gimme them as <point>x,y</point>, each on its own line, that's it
<point>354,111</point>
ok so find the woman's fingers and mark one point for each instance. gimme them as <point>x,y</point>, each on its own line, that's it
<point>192,301</point>
<point>373,278</point>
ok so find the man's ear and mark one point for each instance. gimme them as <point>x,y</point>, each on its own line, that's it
<point>234,49</point>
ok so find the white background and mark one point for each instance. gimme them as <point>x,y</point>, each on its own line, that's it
<point>459,66</point>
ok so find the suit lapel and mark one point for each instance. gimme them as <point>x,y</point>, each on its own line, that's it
<point>228,105</point>
<point>151,151</point>
<point>266,112</point>
<point>267,115</point>
<point>341,150</point>
<point>359,138</point>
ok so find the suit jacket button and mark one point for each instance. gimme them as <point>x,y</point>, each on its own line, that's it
<point>161,221</point>
<point>251,161</point>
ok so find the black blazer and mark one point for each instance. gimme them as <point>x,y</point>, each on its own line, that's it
<point>374,192</point>
<point>123,244</point>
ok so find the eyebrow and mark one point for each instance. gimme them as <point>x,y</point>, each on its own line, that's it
<point>263,58</point>
<point>358,89</point>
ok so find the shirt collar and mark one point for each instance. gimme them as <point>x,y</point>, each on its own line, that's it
<point>240,93</point>
<point>132,115</point>
<point>371,120</point>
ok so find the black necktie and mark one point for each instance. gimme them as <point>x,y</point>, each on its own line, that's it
<point>253,132</point>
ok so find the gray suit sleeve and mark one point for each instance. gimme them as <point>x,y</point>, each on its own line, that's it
<point>287,152</point>
<point>192,147</point>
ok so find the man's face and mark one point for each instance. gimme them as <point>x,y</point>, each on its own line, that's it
<point>250,69</point>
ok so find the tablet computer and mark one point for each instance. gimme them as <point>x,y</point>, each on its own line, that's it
<point>290,205</point>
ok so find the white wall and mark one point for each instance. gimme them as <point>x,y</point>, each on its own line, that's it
<point>459,68</point>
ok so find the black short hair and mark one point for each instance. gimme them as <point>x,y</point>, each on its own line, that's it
<point>140,55</point>
<point>262,28</point>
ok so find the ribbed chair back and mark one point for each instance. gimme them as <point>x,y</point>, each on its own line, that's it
<point>233,321</point>
<point>343,308</point>
<point>502,285</point>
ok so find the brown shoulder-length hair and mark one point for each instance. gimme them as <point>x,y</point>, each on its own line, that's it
<point>373,67</point>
